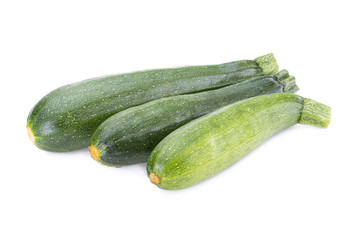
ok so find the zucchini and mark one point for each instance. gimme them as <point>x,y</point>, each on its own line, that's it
<point>129,136</point>
<point>65,119</point>
<point>213,142</point>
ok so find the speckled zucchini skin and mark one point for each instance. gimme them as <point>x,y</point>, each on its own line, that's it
<point>65,119</point>
<point>129,136</point>
<point>211,143</point>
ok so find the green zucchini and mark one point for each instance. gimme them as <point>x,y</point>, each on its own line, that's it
<point>213,142</point>
<point>65,119</point>
<point>129,136</point>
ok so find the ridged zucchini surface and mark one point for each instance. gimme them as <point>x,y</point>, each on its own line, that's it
<point>213,142</point>
<point>129,136</point>
<point>65,119</point>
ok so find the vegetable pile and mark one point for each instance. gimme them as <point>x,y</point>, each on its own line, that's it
<point>188,123</point>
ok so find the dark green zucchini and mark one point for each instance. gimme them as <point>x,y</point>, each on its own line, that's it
<point>211,143</point>
<point>129,136</point>
<point>65,119</point>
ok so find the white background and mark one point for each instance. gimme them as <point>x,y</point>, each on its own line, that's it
<point>303,183</point>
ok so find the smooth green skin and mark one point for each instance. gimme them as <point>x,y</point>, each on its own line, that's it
<point>212,143</point>
<point>65,119</point>
<point>129,136</point>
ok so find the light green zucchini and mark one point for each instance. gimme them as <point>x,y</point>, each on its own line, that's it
<point>65,119</point>
<point>129,136</point>
<point>213,142</point>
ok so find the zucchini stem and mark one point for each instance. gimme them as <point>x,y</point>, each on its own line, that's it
<point>283,77</point>
<point>315,114</point>
<point>267,64</point>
